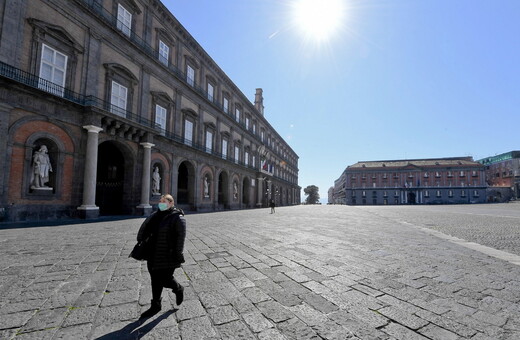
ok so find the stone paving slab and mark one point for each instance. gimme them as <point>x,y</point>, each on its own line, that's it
<point>305,272</point>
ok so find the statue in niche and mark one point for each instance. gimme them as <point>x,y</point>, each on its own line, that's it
<point>206,186</point>
<point>235,190</point>
<point>156,181</point>
<point>41,166</point>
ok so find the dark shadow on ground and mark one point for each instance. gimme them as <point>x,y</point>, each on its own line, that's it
<point>134,330</point>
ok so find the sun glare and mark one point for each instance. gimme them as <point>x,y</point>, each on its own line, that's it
<point>318,19</point>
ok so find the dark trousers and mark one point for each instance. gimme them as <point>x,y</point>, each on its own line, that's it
<point>162,278</point>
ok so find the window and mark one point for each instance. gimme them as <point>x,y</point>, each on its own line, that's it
<point>118,99</point>
<point>237,153</point>
<point>463,193</point>
<point>262,136</point>
<point>438,193</point>
<point>475,193</point>
<point>210,92</point>
<point>426,193</point>
<point>224,148</point>
<point>462,174</point>
<point>253,163</point>
<point>164,53</point>
<point>160,116</point>
<point>237,114</point>
<point>190,75</point>
<point>247,123</point>
<point>124,20</point>
<point>246,158</point>
<point>209,141</point>
<point>226,105</point>
<point>53,68</point>
<point>188,132</point>
<point>254,128</point>
<point>450,193</point>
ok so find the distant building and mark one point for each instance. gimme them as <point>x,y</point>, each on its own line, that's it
<point>105,105</point>
<point>502,176</point>
<point>330,196</point>
<point>338,194</point>
<point>414,181</point>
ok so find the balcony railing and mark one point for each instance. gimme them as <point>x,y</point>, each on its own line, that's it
<point>111,20</point>
<point>38,83</point>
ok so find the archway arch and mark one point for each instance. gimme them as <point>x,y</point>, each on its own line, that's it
<point>223,190</point>
<point>246,192</point>
<point>115,185</point>
<point>110,179</point>
<point>186,184</point>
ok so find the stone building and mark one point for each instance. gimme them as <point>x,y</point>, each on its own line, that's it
<point>337,192</point>
<point>107,104</point>
<point>415,181</point>
<point>503,176</point>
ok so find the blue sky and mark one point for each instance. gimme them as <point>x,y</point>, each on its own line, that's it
<point>399,79</point>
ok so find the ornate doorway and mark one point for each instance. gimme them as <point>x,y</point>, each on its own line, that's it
<point>110,179</point>
<point>223,190</point>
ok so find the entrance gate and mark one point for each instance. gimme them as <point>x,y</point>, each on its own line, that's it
<point>110,180</point>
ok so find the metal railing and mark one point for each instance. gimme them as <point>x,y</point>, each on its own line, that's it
<point>53,89</point>
<point>112,20</point>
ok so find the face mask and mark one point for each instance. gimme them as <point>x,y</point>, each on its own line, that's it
<point>163,206</point>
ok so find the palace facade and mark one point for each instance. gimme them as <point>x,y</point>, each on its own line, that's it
<point>503,176</point>
<point>107,104</point>
<point>415,181</point>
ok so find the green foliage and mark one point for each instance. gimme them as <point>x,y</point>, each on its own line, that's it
<point>313,197</point>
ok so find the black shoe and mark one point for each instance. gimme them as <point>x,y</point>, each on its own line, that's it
<point>154,309</point>
<point>179,296</point>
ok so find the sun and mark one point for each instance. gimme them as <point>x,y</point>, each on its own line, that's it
<point>319,20</point>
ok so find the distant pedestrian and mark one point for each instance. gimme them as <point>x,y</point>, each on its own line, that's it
<point>167,231</point>
<point>272,205</point>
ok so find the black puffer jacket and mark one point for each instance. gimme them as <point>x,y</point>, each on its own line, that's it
<point>168,230</point>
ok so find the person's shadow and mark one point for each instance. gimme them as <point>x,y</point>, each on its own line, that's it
<point>134,331</point>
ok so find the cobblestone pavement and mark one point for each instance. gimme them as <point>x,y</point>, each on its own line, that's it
<point>469,222</point>
<point>305,272</point>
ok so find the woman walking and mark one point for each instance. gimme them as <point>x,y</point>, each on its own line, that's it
<point>167,231</point>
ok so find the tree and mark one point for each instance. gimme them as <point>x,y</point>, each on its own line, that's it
<point>313,196</point>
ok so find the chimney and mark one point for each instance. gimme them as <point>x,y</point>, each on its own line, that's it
<point>259,101</point>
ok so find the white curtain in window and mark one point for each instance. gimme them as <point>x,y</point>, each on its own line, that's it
<point>164,52</point>
<point>188,132</point>
<point>53,68</point>
<point>124,20</point>
<point>160,116</point>
<point>118,99</point>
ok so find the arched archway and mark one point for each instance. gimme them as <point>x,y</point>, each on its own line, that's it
<point>110,179</point>
<point>246,189</point>
<point>223,190</point>
<point>185,184</point>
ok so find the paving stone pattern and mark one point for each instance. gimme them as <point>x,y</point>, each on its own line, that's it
<point>305,272</point>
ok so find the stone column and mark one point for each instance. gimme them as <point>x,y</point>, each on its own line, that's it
<point>145,206</point>
<point>89,209</point>
<point>260,190</point>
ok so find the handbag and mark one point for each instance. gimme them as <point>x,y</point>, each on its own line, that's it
<point>141,250</point>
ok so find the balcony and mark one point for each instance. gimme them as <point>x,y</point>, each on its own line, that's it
<point>108,18</point>
<point>114,120</point>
